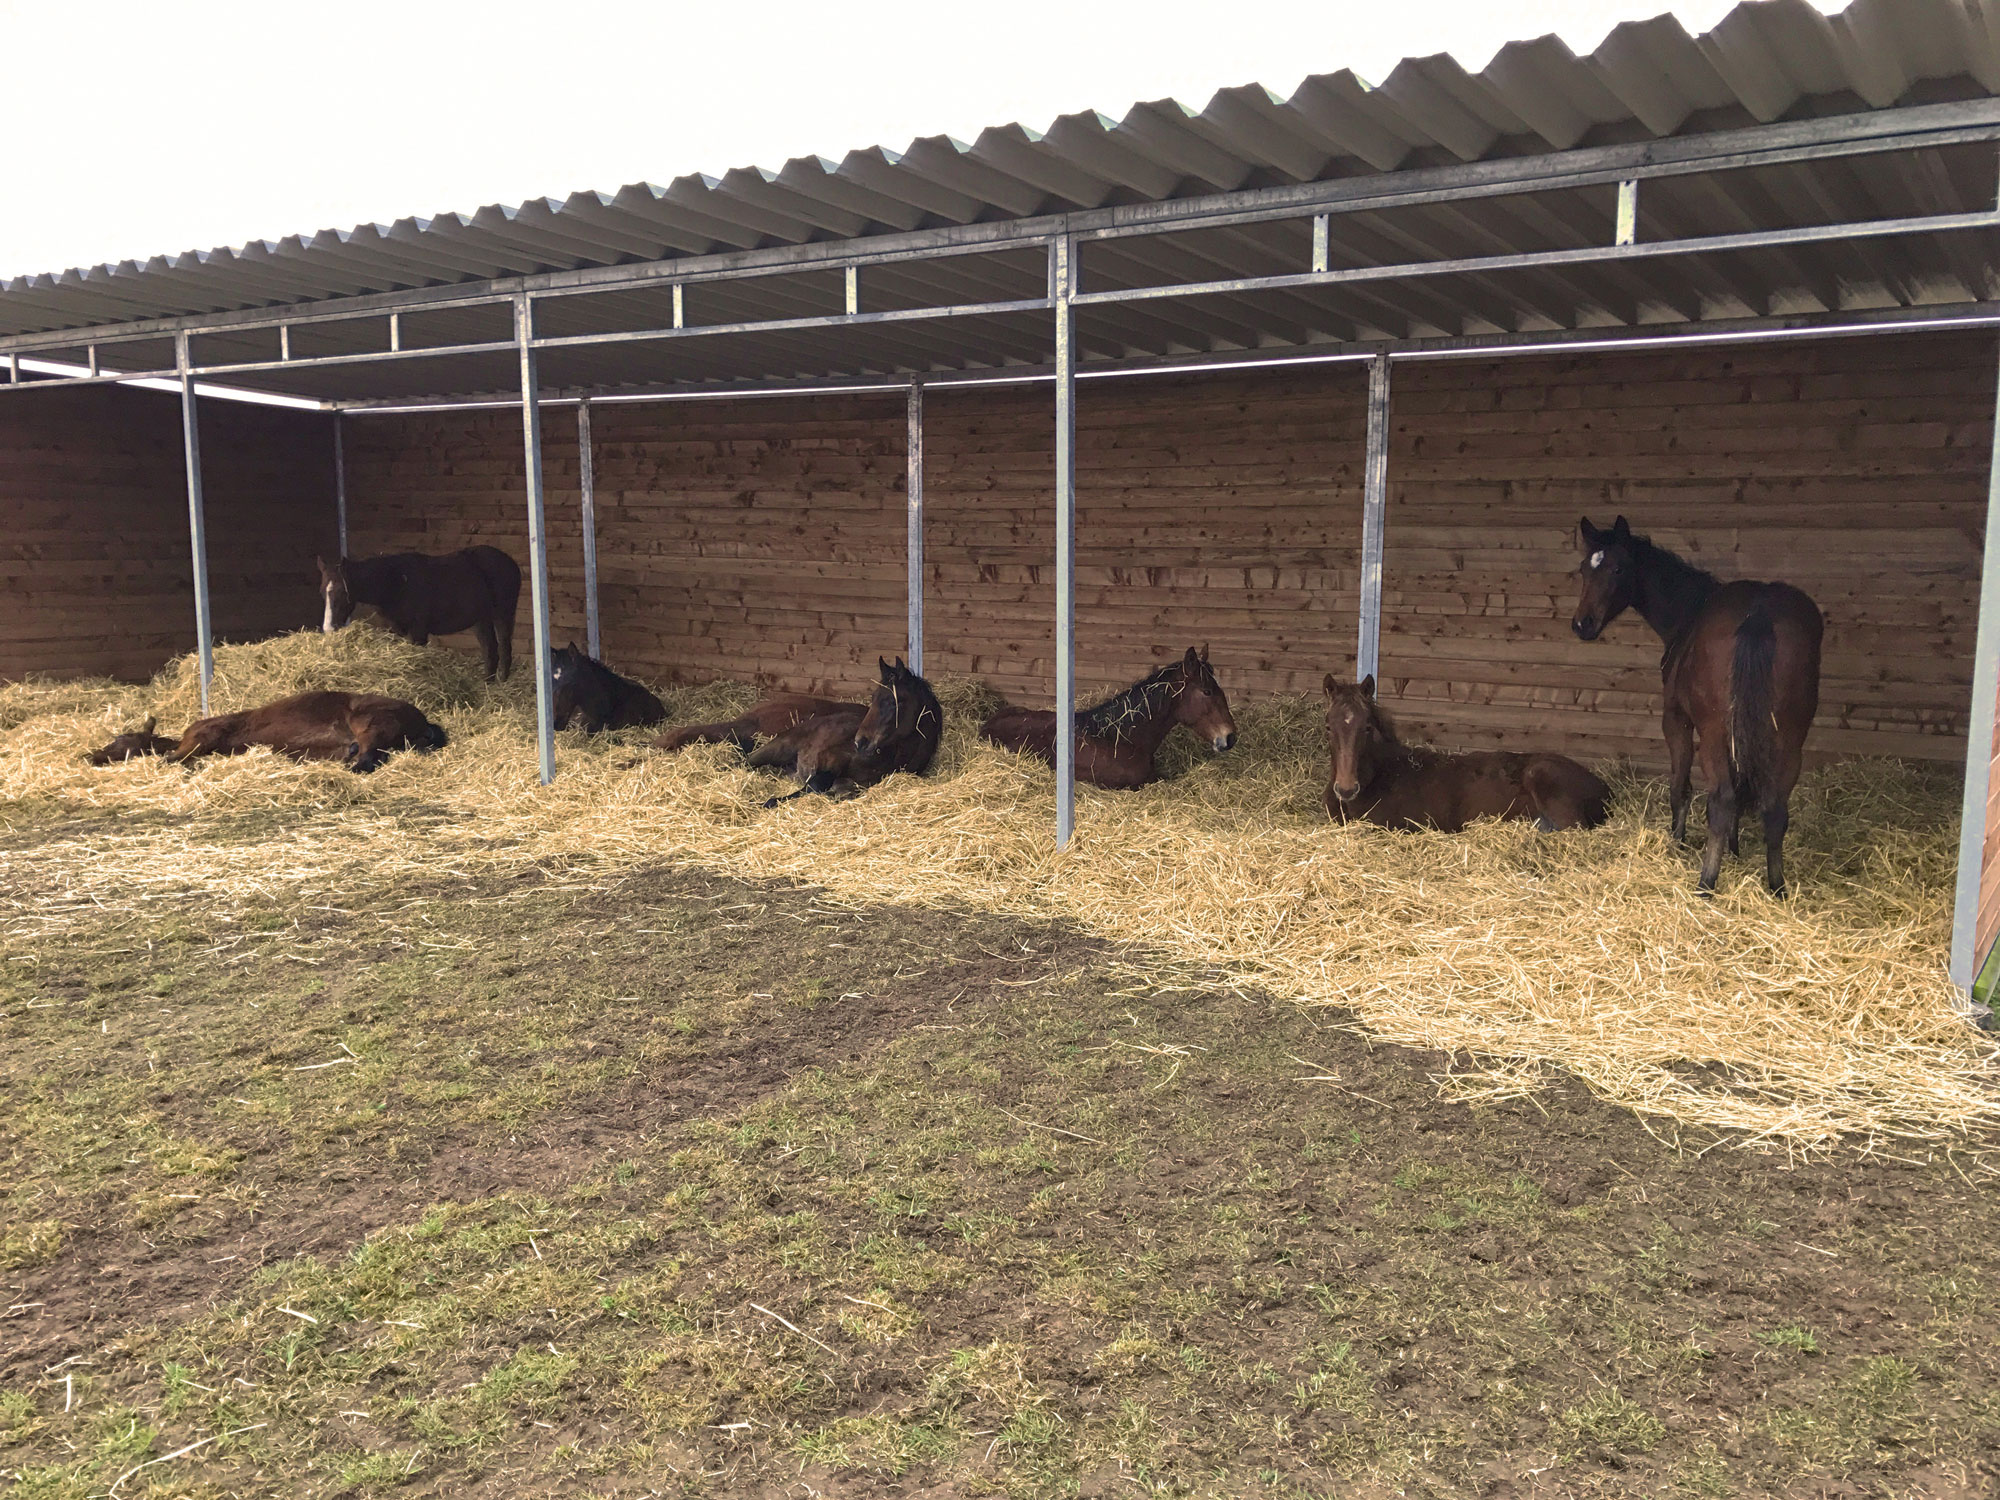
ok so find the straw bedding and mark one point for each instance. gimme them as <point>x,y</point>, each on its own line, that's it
<point>1820,1017</point>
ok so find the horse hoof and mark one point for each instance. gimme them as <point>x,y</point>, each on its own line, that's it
<point>771,802</point>
<point>1543,825</point>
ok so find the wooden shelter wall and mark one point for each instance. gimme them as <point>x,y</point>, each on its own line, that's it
<point>95,570</point>
<point>764,538</point>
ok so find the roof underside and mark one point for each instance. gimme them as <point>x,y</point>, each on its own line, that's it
<point>1766,62</point>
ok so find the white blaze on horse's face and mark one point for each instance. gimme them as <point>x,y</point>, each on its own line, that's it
<point>1597,559</point>
<point>326,620</point>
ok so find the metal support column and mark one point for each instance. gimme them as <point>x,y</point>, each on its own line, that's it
<point>916,541</point>
<point>1979,738</point>
<point>204,643</point>
<point>340,478</point>
<point>1374,512</point>
<point>1062,277</point>
<point>586,468</point>
<point>1626,230</point>
<point>538,539</point>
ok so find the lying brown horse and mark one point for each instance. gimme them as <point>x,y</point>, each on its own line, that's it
<point>771,716</point>
<point>1379,779</point>
<point>357,729</point>
<point>421,596</point>
<point>840,753</point>
<point>1116,740</point>
<point>1740,669</point>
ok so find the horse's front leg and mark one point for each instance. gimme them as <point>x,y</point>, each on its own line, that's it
<point>1679,729</point>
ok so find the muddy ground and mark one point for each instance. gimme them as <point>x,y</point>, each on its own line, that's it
<point>687,1186</point>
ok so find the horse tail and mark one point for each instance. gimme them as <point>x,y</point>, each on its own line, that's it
<point>1753,738</point>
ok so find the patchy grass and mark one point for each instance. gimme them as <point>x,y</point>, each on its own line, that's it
<point>538,1185</point>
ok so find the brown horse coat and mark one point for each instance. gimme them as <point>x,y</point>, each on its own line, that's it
<point>1118,738</point>
<point>1377,778</point>
<point>420,596</point>
<point>357,729</point>
<point>851,748</point>
<point>1740,669</point>
<point>773,715</point>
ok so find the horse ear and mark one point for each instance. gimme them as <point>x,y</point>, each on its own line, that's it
<point>1328,685</point>
<point>320,563</point>
<point>1591,535</point>
<point>1368,686</point>
<point>1204,651</point>
<point>150,724</point>
<point>1620,531</point>
<point>901,666</point>
<point>1192,659</point>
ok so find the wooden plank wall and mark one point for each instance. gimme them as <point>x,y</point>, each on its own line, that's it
<point>764,538</point>
<point>94,527</point>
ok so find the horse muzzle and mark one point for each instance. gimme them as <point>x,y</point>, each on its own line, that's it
<point>1224,742</point>
<point>1586,629</point>
<point>1346,793</point>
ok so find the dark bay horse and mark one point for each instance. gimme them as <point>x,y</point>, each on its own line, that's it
<point>773,715</point>
<point>843,752</point>
<point>1740,670</point>
<point>141,741</point>
<point>356,729</point>
<point>1116,740</point>
<point>1377,778</point>
<point>422,596</point>
<point>586,689</point>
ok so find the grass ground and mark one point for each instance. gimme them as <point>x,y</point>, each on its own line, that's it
<point>654,1182</point>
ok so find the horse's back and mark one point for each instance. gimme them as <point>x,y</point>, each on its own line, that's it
<point>1700,672</point>
<point>1030,731</point>
<point>501,573</point>
<point>1565,792</point>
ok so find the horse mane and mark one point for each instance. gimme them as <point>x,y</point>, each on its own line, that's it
<point>1682,587</point>
<point>1679,575</point>
<point>1116,716</point>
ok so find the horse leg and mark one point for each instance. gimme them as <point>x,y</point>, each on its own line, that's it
<point>1679,730</point>
<point>1722,817</point>
<point>489,643</point>
<point>1777,818</point>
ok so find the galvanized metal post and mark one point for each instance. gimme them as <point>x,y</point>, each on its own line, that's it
<point>1322,242</point>
<point>1062,277</point>
<point>340,478</point>
<point>1374,513</point>
<point>1979,739</point>
<point>586,468</point>
<point>204,642</point>
<point>916,541</point>
<point>1626,231</point>
<point>538,541</point>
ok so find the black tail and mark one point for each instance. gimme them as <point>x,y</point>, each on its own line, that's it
<point>1753,730</point>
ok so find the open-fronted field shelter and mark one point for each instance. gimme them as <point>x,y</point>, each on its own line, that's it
<point>1322,381</point>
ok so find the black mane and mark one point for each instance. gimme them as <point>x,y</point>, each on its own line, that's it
<point>1141,703</point>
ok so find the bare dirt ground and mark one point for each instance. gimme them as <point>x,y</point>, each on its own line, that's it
<point>678,1185</point>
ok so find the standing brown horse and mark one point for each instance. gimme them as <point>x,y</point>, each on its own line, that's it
<point>840,753</point>
<point>1378,778</point>
<point>421,596</point>
<point>357,729</point>
<point>1740,669</point>
<point>1116,740</point>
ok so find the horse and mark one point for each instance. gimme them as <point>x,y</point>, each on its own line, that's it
<point>422,596</point>
<point>1379,779</point>
<point>774,715</point>
<point>1740,670</point>
<point>357,729</point>
<point>586,688</point>
<point>141,741</point>
<point>1117,739</point>
<point>843,752</point>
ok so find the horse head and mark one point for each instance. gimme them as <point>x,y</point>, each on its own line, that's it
<point>333,588</point>
<point>1610,578</point>
<point>1201,704</point>
<point>896,709</point>
<point>1355,734</point>
<point>141,741</point>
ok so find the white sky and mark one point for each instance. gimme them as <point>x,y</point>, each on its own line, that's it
<point>171,125</point>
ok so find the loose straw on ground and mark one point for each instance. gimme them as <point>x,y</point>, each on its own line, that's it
<point>1825,1015</point>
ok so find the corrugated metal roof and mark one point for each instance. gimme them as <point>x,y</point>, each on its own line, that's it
<point>1766,60</point>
